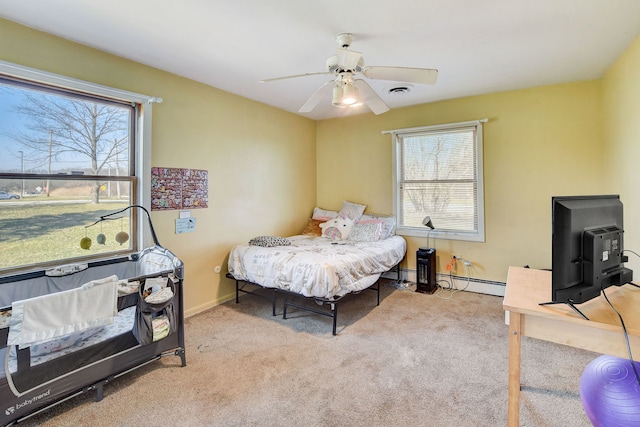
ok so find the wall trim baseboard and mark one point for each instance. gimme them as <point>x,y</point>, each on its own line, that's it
<point>210,304</point>
<point>469,284</point>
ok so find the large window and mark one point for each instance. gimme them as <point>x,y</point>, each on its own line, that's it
<point>438,173</point>
<point>72,152</point>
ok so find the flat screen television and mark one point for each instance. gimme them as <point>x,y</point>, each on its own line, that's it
<point>587,248</point>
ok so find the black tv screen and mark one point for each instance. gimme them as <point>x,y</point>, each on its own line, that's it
<point>587,247</point>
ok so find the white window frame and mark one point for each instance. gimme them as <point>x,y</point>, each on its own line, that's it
<point>143,129</point>
<point>476,236</point>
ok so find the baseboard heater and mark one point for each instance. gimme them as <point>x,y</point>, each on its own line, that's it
<point>471,284</point>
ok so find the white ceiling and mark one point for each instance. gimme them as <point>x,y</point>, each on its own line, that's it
<point>478,46</point>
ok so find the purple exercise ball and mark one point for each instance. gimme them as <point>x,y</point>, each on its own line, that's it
<point>610,392</point>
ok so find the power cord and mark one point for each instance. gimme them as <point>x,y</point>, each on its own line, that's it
<point>626,335</point>
<point>440,289</point>
<point>629,250</point>
<point>450,289</point>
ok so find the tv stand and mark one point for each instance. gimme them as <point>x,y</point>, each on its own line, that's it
<point>526,287</point>
<point>576,309</point>
<point>570,304</point>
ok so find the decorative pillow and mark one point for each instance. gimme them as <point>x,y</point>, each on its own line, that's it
<point>378,222</point>
<point>323,214</point>
<point>337,228</point>
<point>367,232</point>
<point>388,223</point>
<point>313,228</point>
<point>269,241</point>
<point>352,210</point>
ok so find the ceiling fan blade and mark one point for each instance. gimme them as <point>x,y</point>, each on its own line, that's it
<point>348,59</point>
<point>371,98</point>
<point>293,77</point>
<point>315,99</point>
<point>426,76</point>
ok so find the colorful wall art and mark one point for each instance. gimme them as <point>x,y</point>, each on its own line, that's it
<point>175,188</point>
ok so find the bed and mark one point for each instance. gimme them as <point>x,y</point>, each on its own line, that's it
<point>316,264</point>
<point>52,352</point>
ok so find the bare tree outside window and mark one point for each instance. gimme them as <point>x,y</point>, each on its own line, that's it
<point>67,157</point>
<point>429,160</point>
<point>69,135</point>
<point>439,175</point>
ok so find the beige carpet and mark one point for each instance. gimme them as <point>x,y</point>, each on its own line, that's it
<point>415,360</point>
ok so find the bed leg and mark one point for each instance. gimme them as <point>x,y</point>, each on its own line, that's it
<point>284,310</point>
<point>237,292</point>
<point>334,310</point>
<point>273,302</point>
<point>378,292</point>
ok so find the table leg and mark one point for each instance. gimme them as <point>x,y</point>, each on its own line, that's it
<point>515,338</point>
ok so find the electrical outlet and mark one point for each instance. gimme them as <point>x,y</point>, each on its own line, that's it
<point>451,264</point>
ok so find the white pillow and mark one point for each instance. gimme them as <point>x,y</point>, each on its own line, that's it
<point>323,214</point>
<point>367,232</point>
<point>352,210</point>
<point>388,223</point>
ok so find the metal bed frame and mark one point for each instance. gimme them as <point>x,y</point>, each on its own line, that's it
<point>332,312</point>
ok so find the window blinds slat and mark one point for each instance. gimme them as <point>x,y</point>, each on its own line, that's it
<point>438,176</point>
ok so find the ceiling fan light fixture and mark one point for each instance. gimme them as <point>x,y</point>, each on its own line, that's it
<point>346,88</point>
<point>337,96</point>
<point>349,94</point>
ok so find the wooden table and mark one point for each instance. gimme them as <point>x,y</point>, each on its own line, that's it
<point>602,333</point>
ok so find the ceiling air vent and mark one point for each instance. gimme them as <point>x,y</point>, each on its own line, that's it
<point>398,90</point>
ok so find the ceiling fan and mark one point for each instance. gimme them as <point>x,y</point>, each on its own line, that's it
<point>346,87</point>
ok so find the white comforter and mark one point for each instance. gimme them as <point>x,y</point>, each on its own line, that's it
<point>316,266</point>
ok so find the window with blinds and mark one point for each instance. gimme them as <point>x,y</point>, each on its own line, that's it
<point>438,172</point>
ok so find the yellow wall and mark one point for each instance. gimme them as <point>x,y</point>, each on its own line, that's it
<point>538,143</point>
<point>621,100</point>
<point>268,168</point>
<point>261,160</point>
